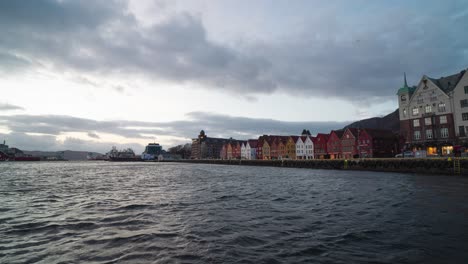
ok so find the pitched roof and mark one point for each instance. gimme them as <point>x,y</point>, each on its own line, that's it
<point>294,138</point>
<point>339,133</point>
<point>354,131</point>
<point>322,135</point>
<point>253,143</point>
<point>447,84</point>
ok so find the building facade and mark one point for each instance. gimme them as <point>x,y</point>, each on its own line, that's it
<point>204,147</point>
<point>334,144</point>
<point>349,143</point>
<point>460,103</point>
<point>427,113</point>
<point>376,143</point>
<point>320,146</point>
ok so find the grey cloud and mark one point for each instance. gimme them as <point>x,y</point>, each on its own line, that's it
<point>101,37</point>
<point>50,143</point>
<point>214,124</point>
<point>8,107</point>
<point>93,135</point>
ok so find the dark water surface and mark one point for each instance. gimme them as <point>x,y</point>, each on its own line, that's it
<point>98,212</point>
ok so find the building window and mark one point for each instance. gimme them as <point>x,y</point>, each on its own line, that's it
<point>442,107</point>
<point>420,100</point>
<point>466,89</point>
<point>404,112</point>
<point>465,116</point>
<point>428,108</point>
<point>444,132</point>
<point>443,119</point>
<point>429,134</point>
<point>464,103</point>
<point>427,121</point>
<point>417,135</point>
<point>415,111</point>
<point>461,130</point>
<point>416,122</point>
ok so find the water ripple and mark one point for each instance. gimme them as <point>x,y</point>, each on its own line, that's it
<point>97,212</point>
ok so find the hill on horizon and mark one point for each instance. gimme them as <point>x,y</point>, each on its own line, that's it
<point>388,122</point>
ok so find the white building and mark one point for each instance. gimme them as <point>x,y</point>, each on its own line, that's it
<point>460,105</point>
<point>434,114</point>
<point>300,148</point>
<point>244,153</point>
<point>309,147</point>
<point>251,149</point>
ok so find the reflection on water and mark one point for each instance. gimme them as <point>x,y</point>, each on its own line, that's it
<point>140,212</point>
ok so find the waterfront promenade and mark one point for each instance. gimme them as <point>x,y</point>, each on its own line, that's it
<point>446,166</point>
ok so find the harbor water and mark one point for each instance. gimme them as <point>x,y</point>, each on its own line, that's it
<point>104,212</point>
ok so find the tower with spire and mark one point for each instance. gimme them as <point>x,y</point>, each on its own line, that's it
<point>404,95</point>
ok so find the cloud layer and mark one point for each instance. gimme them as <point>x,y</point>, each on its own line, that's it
<point>352,57</point>
<point>34,132</point>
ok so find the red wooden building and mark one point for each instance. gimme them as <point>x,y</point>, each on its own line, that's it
<point>377,143</point>
<point>321,146</point>
<point>334,144</point>
<point>349,143</point>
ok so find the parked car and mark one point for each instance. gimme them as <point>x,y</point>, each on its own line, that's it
<point>406,154</point>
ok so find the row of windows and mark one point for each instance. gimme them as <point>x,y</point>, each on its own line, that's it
<point>444,133</point>
<point>428,120</point>
<point>428,108</point>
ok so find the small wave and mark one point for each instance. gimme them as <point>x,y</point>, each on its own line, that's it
<point>248,241</point>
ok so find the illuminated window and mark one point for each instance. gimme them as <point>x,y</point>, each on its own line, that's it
<point>404,112</point>
<point>429,134</point>
<point>416,122</point>
<point>415,111</point>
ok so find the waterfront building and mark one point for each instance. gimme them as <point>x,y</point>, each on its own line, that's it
<point>151,152</point>
<point>460,103</point>
<point>300,148</point>
<point>243,150</point>
<point>320,149</point>
<point>229,151</point>
<point>251,149</point>
<point>334,144</point>
<point>291,147</point>
<point>282,147</point>
<point>308,147</point>
<point>427,113</point>
<point>259,149</point>
<point>377,143</point>
<point>204,147</point>
<point>349,143</point>
<point>236,150</point>
<point>274,147</point>
<point>223,153</point>
<point>266,148</point>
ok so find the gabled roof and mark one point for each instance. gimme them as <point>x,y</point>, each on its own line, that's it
<point>353,131</point>
<point>294,138</point>
<point>324,136</point>
<point>252,143</point>
<point>447,84</point>
<point>339,133</point>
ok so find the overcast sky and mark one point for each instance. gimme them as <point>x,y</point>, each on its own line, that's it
<point>86,75</point>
